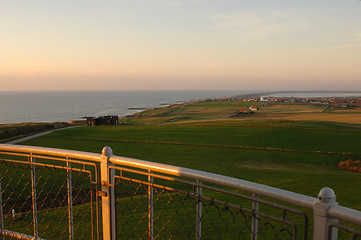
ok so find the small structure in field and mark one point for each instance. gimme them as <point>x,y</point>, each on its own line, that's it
<point>102,120</point>
<point>253,108</point>
<point>243,110</point>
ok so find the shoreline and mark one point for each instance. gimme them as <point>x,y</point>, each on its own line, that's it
<point>139,108</point>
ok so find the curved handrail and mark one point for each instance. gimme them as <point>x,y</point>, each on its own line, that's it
<point>300,200</point>
<point>17,235</point>
<point>259,189</point>
<point>51,152</point>
<point>344,213</point>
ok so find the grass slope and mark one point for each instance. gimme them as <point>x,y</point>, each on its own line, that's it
<point>300,156</point>
<point>216,147</point>
<point>11,131</point>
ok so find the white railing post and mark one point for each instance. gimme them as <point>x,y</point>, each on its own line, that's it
<point>326,199</point>
<point>107,195</point>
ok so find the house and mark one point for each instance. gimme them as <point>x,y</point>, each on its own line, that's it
<point>245,111</point>
<point>103,120</point>
<point>241,112</point>
<point>264,98</point>
<point>253,108</point>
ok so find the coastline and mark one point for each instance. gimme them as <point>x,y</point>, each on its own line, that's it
<point>68,106</point>
<point>19,107</point>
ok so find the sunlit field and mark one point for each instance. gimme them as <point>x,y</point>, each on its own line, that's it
<point>300,156</point>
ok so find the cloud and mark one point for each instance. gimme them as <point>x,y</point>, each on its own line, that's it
<point>32,65</point>
<point>338,47</point>
<point>133,73</point>
<point>171,3</point>
<point>212,65</point>
<point>345,46</point>
<point>259,25</point>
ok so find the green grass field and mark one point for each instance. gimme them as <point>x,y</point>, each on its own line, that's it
<point>193,112</point>
<point>10,132</point>
<point>296,156</point>
<point>299,156</point>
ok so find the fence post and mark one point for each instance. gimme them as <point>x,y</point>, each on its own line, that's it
<point>1,209</point>
<point>199,211</point>
<point>326,199</point>
<point>255,207</point>
<point>70,200</point>
<point>107,194</point>
<point>34,197</point>
<point>150,207</point>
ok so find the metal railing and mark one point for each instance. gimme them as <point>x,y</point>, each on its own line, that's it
<point>50,193</point>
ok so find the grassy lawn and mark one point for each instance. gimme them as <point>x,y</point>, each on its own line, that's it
<point>189,112</point>
<point>312,112</point>
<point>11,131</point>
<point>299,156</point>
<point>251,150</point>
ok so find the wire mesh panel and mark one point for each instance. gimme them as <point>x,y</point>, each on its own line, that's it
<point>47,201</point>
<point>169,221</point>
<point>48,195</point>
<point>180,211</point>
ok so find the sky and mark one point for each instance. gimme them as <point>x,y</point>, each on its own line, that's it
<point>180,45</point>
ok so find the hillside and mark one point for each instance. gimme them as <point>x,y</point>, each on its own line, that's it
<point>300,156</point>
<point>220,111</point>
<point>12,131</point>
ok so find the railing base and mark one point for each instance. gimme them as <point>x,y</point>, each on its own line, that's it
<point>7,233</point>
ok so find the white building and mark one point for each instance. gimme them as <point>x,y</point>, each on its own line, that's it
<point>264,98</point>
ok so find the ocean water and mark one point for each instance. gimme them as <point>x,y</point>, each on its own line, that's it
<point>18,107</point>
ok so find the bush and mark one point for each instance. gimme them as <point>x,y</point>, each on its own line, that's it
<point>351,165</point>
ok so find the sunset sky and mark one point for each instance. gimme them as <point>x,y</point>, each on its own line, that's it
<point>180,45</point>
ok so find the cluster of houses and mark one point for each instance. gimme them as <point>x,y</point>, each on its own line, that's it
<point>315,100</point>
<point>340,102</point>
<point>335,101</point>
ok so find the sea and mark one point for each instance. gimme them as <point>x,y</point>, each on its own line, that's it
<point>19,107</point>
